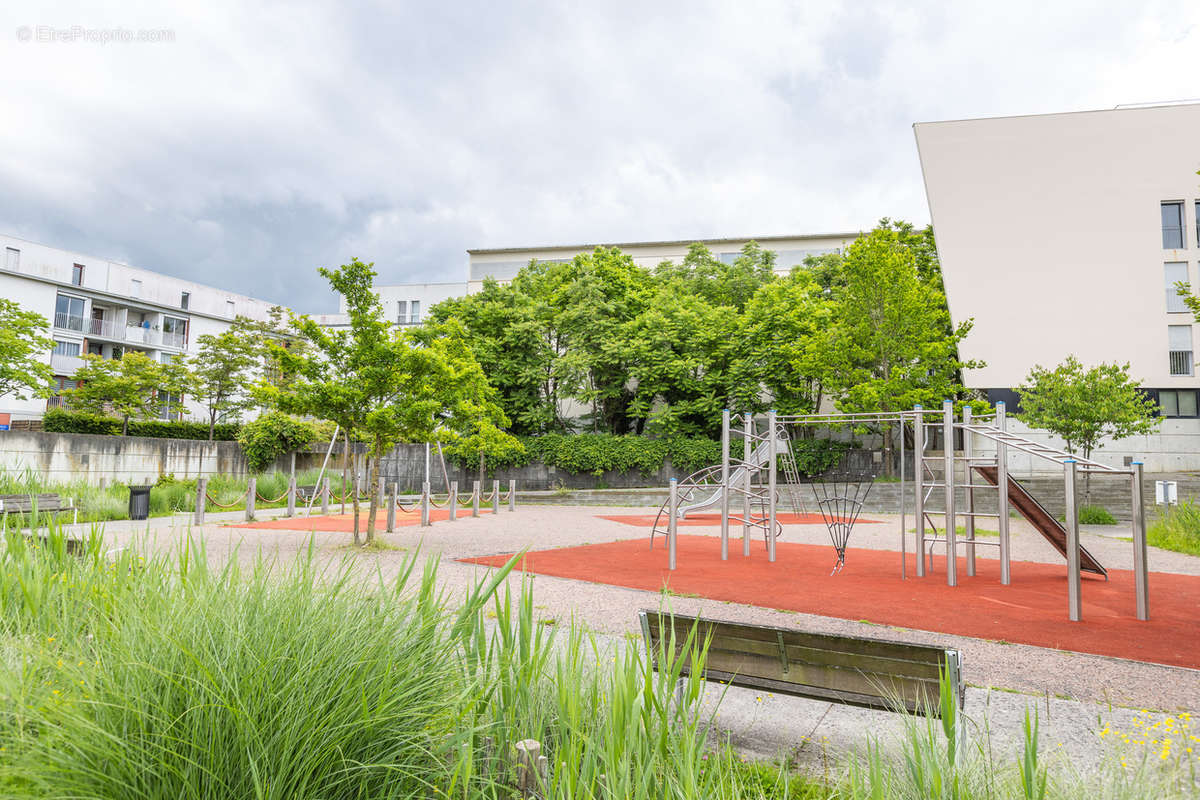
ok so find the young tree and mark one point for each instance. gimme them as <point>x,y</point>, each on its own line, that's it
<point>133,387</point>
<point>222,370</point>
<point>23,345</point>
<point>1083,405</point>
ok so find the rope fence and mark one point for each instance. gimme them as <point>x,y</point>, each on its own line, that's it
<point>268,500</point>
<point>213,500</point>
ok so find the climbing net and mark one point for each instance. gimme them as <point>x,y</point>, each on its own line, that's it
<point>840,500</point>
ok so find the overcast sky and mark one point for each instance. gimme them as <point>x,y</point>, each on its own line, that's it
<point>253,146</point>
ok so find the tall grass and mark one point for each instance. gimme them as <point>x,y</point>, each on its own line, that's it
<point>1177,529</point>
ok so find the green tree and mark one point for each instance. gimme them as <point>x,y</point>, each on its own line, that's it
<point>133,387</point>
<point>721,283</point>
<point>221,369</point>
<point>1083,405</point>
<point>271,435</point>
<point>23,345</point>
<point>892,344</point>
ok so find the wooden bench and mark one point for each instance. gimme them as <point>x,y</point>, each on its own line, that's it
<point>859,671</point>
<point>24,503</point>
<point>306,493</point>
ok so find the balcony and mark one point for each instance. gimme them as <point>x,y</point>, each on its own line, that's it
<point>65,365</point>
<point>56,401</point>
<point>69,322</point>
<point>1181,362</point>
<point>105,329</point>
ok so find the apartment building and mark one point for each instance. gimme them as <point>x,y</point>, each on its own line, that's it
<point>1065,234</point>
<point>107,308</point>
<point>403,303</point>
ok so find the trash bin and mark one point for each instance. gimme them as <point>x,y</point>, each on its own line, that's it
<point>139,502</point>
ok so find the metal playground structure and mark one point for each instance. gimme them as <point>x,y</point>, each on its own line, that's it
<point>748,492</point>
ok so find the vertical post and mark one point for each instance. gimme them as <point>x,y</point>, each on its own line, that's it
<point>968,480</point>
<point>1141,582</point>
<point>771,480</point>
<point>725,485</point>
<point>381,489</point>
<point>495,497</point>
<point>291,496</point>
<point>391,509</point>
<point>1002,502</point>
<point>951,522</point>
<point>325,495</point>
<point>475,499</point>
<point>1072,519</point>
<point>919,486</point>
<point>747,437</point>
<point>672,521</point>
<point>201,499</point>
<point>903,535</point>
<point>512,494</point>
<point>425,504</point>
<point>251,488</point>
<point>452,501</point>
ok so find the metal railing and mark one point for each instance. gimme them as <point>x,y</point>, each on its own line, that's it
<point>1181,362</point>
<point>68,322</point>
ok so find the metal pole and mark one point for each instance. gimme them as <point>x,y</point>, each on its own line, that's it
<point>903,535</point>
<point>495,497</point>
<point>1072,518</point>
<point>475,499</point>
<point>427,462</point>
<point>771,479</point>
<point>452,503</point>
<point>391,509</point>
<point>321,475</point>
<point>968,480</point>
<point>251,487</point>
<point>1141,577</point>
<point>512,494</point>
<point>201,499</point>
<point>951,522</point>
<point>746,446</point>
<point>1002,502</point>
<point>919,487</point>
<point>673,514</point>
<point>425,504</point>
<point>725,485</point>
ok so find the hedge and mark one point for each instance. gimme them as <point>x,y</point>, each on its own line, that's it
<point>59,420</point>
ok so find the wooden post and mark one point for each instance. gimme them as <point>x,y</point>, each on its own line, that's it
<point>530,767</point>
<point>201,499</point>
<point>512,494</point>
<point>452,501</point>
<point>291,497</point>
<point>495,497</point>
<point>251,487</point>
<point>391,511</point>
<point>325,495</point>
<point>475,499</point>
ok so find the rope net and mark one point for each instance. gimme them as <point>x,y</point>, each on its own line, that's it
<point>840,500</point>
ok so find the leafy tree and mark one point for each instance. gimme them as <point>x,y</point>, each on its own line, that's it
<point>23,345</point>
<point>892,345</point>
<point>222,369</point>
<point>271,435</point>
<point>704,274</point>
<point>1083,405</point>
<point>133,387</point>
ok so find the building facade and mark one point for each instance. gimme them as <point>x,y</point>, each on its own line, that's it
<point>106,308</point>
<point>1065,234</point>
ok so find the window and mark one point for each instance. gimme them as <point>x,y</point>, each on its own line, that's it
<point>77,274</point>
<point>174,331</point>
<point>62,348</point>
<point>169,405</point>
<point>402,313</point>
<point>184,297</point>
<point>1179,342</point>
<point>414,312</point>
<point>1175,272</point>
<point>12,258</point>
<point>1177,403</point>
<point>1172,226</point>
<point>229,308</point>
<point>729,258</point>
<point>117,353</point>
<point>135,288</point>
<point>68,313</point>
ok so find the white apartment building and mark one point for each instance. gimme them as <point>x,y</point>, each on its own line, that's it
<point>1065,234</point>
<point>403,304</point>
<point>95,305</point>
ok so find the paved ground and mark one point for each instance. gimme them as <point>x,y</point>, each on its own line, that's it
<point>1072,690</point>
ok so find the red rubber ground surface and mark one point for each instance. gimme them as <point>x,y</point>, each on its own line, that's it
<point>1032,610</point>
<point>647,520</point>
<point>344,523</point>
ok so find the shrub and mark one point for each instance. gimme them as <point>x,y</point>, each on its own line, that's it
<point>60,420</point>
<point>1177,529</point>
<point>1095,515</point>
<point>272,435</point>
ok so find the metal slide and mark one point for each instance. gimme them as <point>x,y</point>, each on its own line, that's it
<point>1041,519</point>
<point>710,478</point>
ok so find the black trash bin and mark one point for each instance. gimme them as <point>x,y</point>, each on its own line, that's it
<point>139,502</point>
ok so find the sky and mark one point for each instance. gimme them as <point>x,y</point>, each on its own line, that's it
<point>243,145</point>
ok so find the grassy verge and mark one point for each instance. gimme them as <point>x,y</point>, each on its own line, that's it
<point>1177,529</point>
<point>960,530</point>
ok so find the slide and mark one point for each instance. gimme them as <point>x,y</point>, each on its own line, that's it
<point>758,457</point>
<point>1042,520</point>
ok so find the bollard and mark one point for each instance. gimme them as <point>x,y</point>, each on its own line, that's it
<point>325,495</point>
<point>251,488</point>
<point>672,522</point>
<point>475,499</point>
<point>453,501</point>
<point>512,494</point>
<point>495,497</point>
<point>425,504</point>
<point>291,508</point>
<point>391,511</point>
<point>201,499</point>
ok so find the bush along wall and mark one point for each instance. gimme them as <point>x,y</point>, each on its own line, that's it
<point>58,420</point>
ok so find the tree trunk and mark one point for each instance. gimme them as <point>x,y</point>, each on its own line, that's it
<point>482,471</point>
<point>357,491</point>
<point>374,492</point>
<point>125,425</point>
<point>212,424</point>
<point>1087,478</point>
<point>345,486</point>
